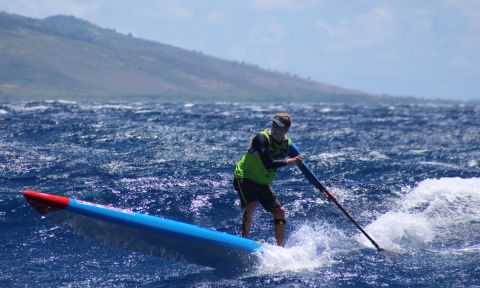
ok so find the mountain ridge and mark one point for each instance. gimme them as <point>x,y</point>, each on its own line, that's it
<point>70,58</point>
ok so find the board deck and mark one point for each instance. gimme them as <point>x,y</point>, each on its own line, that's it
<point>145,233</point>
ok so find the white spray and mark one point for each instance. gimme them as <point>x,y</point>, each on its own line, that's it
<point>432,210</point>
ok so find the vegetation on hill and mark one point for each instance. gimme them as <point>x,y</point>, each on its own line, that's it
<point>62,57</point>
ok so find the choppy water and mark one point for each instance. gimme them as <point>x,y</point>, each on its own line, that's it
<point>409,174</point>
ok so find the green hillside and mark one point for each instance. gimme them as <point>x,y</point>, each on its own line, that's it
<point>63,57</point>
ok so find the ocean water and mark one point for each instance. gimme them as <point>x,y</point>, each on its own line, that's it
<point>409,174</point>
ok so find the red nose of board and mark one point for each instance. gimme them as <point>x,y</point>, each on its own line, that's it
<point>45,203</point>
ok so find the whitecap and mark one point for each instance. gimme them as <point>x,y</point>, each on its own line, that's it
<point>435,210</point>
<point>440,164</point>
<point>311,246</point>
<point>472,163</point>
<point>199,203</point>
<point>395,231</point>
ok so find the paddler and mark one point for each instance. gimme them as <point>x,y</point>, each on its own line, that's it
<point>254,173</point>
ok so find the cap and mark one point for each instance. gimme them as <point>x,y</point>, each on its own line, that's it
<point>282,120</point>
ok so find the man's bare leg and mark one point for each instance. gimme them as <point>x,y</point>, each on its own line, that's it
<point>279,223</point>
<point>247,218</point>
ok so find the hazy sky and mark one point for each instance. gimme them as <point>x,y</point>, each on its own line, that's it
<point>424,48</point>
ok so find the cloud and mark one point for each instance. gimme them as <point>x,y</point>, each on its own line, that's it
<point>359,31</point>
<point>285,5</point>
<point>466,39</point>
<point>217,17</point>
<point>85,8</point>
<point>267,34</point>
<point>177,9</point>
<point>470,10</point>
<point>44,8</point>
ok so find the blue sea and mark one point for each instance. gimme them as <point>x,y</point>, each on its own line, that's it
<point>409,174</point>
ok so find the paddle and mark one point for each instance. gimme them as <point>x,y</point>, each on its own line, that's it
<point>314,180</point>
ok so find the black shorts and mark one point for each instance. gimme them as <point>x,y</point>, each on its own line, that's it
<point>249,191</point>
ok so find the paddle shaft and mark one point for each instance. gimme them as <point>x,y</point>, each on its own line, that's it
<point>353,220</point>
<point>314,180</point>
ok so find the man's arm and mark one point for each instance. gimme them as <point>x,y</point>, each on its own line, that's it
<point>305,170</point>
<point>260,144</point>
<point>308,173</point>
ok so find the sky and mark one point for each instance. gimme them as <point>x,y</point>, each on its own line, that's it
<point>422,48</point>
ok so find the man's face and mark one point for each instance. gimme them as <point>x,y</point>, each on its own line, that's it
<point>278,133</point>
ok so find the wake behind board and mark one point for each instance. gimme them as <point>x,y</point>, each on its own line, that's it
<point>146,234</point>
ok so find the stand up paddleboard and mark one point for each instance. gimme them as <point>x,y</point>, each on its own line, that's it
<point>146,234</point>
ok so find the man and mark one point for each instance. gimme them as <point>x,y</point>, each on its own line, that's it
<point>255,172</point>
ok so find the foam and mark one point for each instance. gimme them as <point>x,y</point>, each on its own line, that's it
<point>200,203</point>
<point>396,231</point>
<point>434,209</point>
<point>308,248</point>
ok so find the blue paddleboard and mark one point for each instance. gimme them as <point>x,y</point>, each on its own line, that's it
<point>147,234</point>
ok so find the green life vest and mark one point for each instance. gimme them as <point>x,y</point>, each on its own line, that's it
<point>251,166</point>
